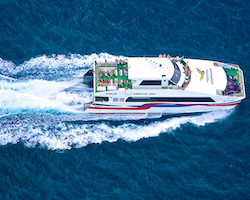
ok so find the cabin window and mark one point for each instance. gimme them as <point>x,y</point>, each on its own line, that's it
<point>151,82</point>
<point>170,99</point>
<point>115,99</point>
<point>101,99</point>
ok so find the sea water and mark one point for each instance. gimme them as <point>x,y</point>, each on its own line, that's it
<point>51,149</point>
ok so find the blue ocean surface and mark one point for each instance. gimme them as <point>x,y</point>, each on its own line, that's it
<point>50,149</point>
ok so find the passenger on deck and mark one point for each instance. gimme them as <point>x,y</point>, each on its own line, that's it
<point>106,81</point>
<point>181,58</point>
<point>99,72</point>
<point>126,82</point>
<point>229,83</point>
<point>100,83</point>
<point>174,59</point>
<point>232,86</point>
<point>160,56</point>
<point>116,81</point>
<point>185,69</point>
<point>189,74</point>
<point>237,88</point>
<point>164,55</point>
<point>235,79</point>
<point>184,85</point>
<point>125,71</point>
<point>121,82</point>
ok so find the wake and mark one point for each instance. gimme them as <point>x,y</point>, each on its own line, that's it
<point>59,133</point>
<point>43,96</point>
<point>42,101</point>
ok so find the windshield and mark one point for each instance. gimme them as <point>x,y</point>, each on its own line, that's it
<point>177,74</point>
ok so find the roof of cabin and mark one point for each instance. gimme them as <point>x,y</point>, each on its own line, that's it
<point>150,68</point>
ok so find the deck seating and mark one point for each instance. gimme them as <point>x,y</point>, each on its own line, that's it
<point>233,83</point>
<point>187,72</point>
<point>113,76</point>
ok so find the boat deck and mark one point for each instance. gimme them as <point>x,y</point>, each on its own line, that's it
<point>234,82</point>
<point>112,76</point>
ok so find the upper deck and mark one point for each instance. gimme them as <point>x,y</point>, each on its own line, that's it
<point>193,75</point>
<point>111,76</point>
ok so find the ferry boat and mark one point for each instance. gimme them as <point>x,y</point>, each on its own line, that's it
<point>163,85</point>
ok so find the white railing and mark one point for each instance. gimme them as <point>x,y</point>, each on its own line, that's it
<point>106,64</point>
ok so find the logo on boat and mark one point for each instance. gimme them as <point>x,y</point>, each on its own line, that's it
<point>202,73</point>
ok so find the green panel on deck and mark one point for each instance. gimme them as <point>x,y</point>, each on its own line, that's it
<point>232,73</point>
<point>118,75</point>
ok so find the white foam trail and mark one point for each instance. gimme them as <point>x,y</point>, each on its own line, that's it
<point>39,95</point>
<point>62,135</point>
<point>66,62</point>
<point>7,67</point>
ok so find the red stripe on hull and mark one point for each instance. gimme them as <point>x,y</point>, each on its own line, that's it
<point>105,108</point>
<point>146,108</point>
<point>219,104</point>
<point>229,104</point>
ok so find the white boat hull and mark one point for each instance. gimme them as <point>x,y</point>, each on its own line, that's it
<point>165,86</point>
<point>162,108</point>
